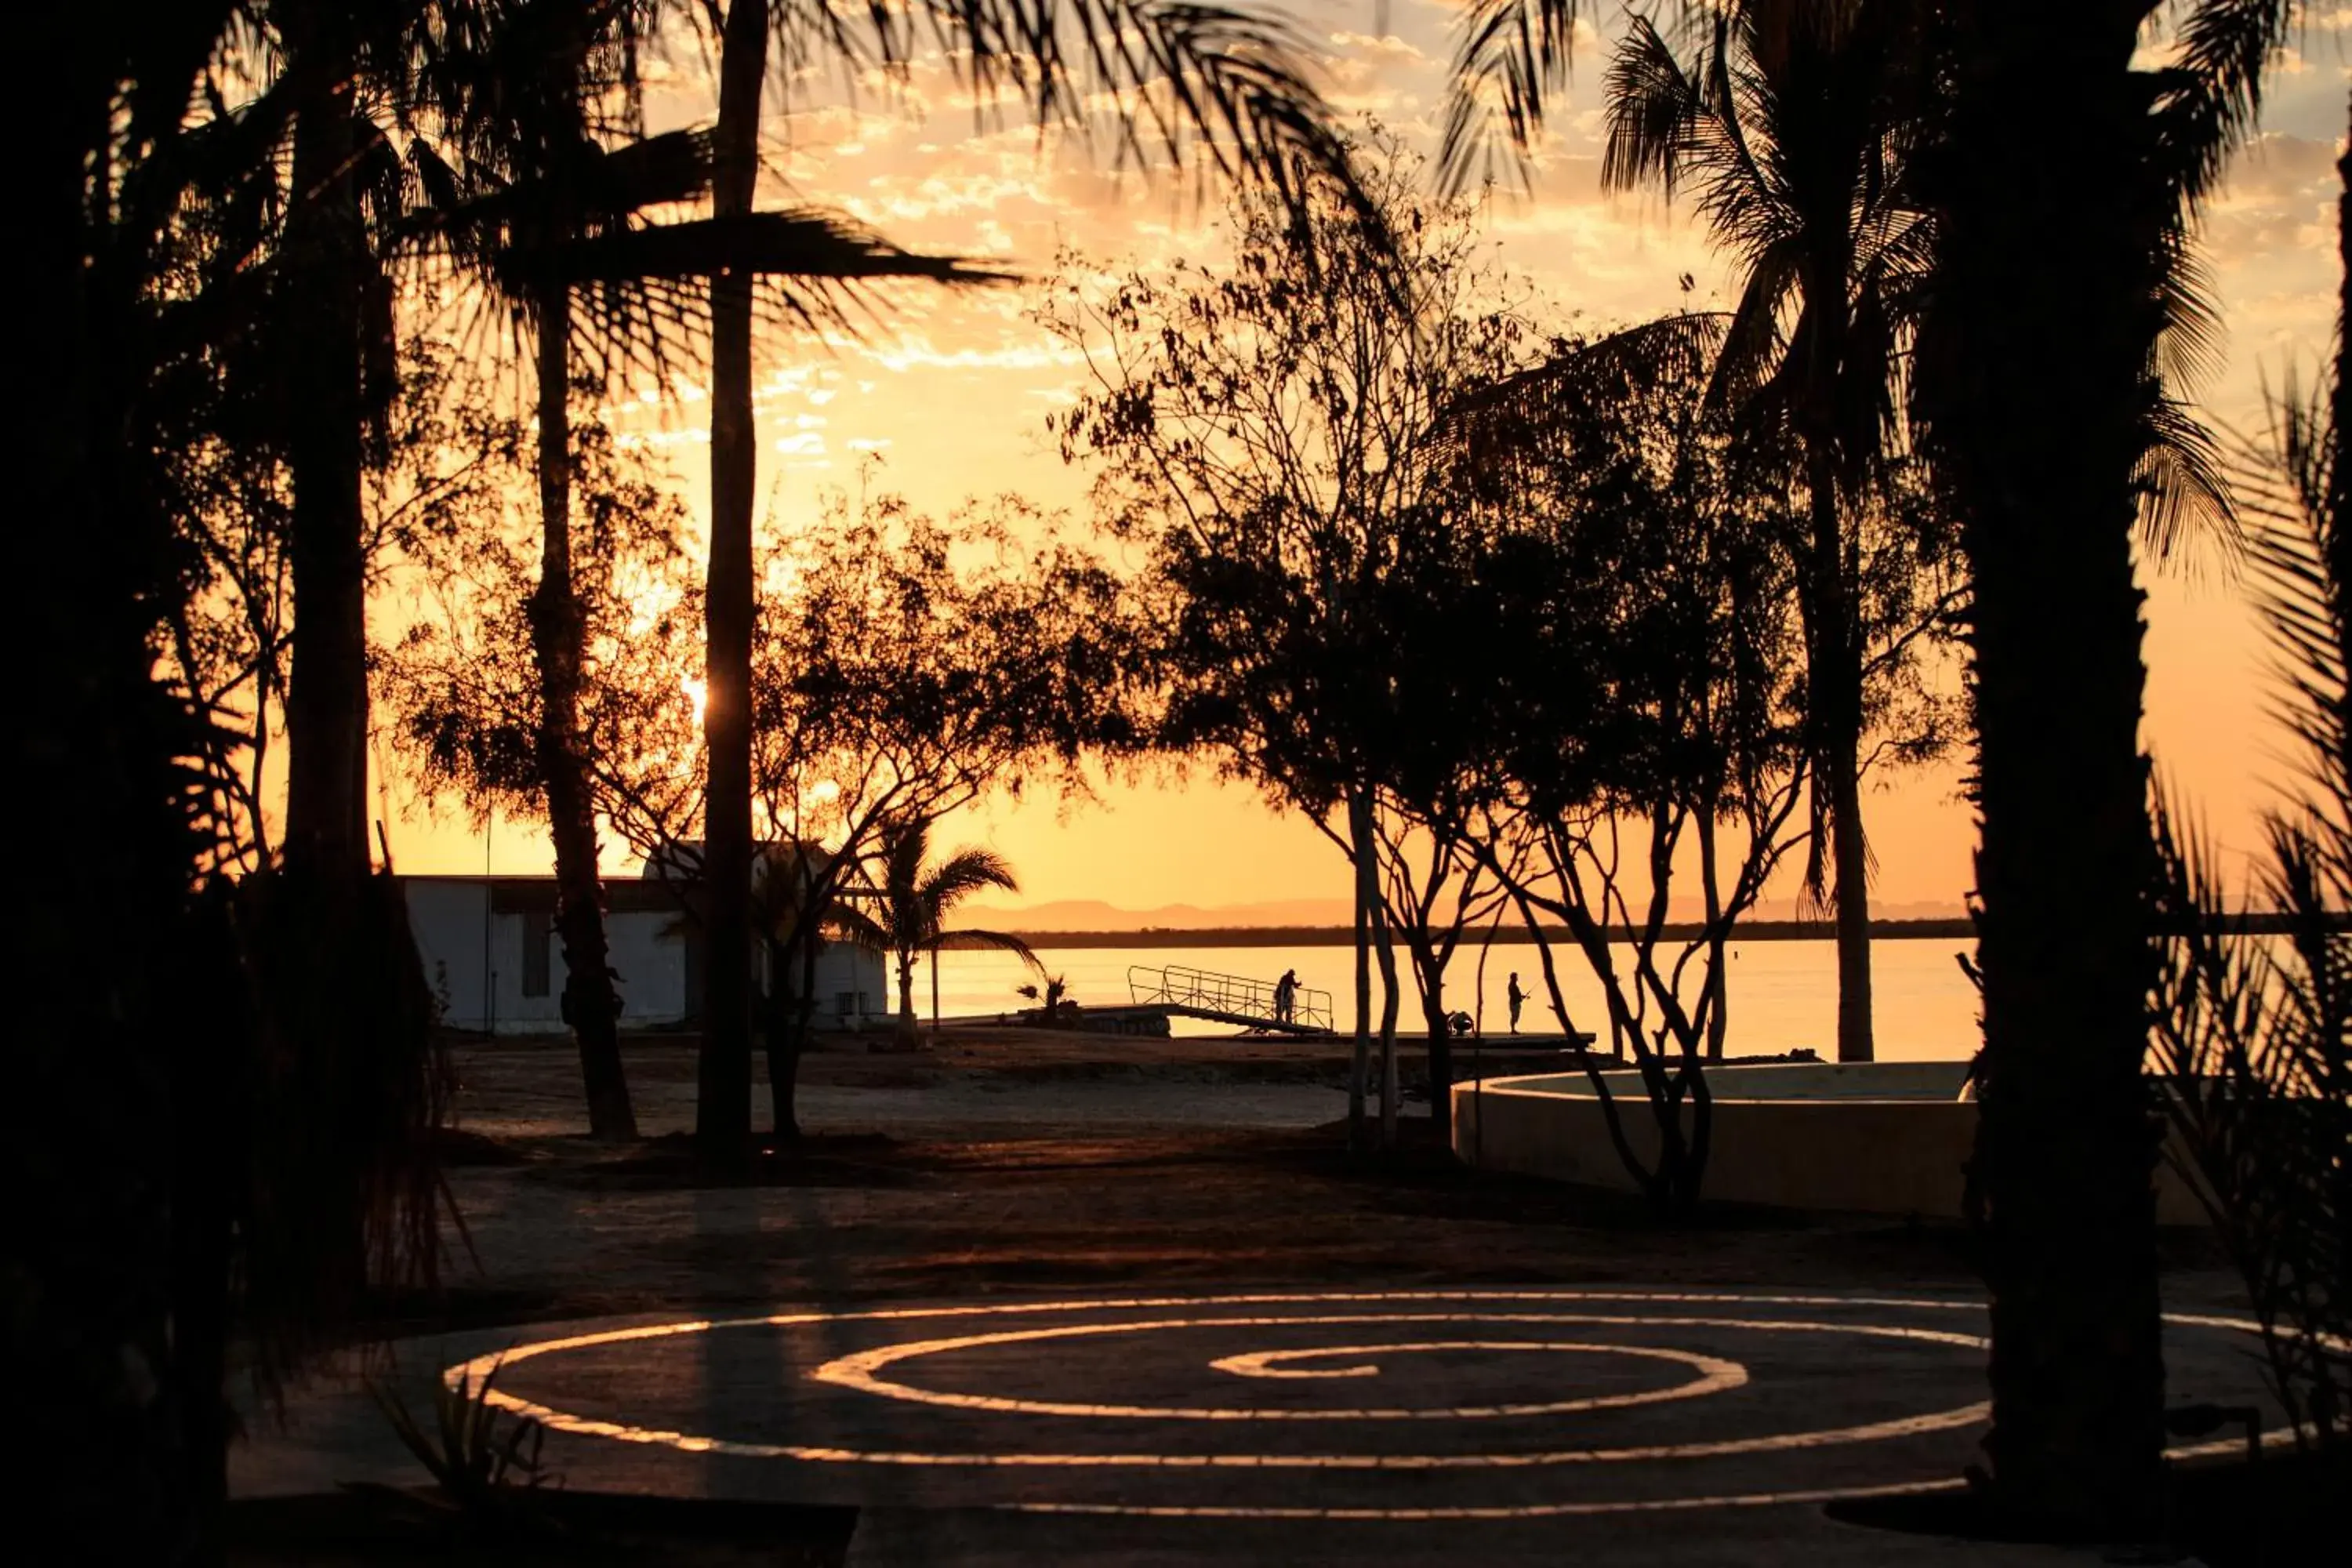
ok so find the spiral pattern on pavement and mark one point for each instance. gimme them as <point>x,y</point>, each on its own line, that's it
<point>1323,1403</point>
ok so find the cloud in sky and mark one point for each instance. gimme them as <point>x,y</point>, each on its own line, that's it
<point>953,386</point>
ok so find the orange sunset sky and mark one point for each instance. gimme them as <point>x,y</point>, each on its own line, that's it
<point>951,393</point>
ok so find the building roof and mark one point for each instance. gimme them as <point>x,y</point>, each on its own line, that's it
<point>536,895</point>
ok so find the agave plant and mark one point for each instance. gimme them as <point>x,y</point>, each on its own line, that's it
<point>485,1465</point>
<point>1054,1003</point>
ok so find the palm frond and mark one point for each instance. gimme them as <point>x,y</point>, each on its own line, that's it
<point>1753,343</point>
<point>2255,1033</point>
<point>968,871</point>
<point>2211,98</point>
<point>2298,592</point>
<point>2190,335</point>
<point>1213,86</point>
<point>855,926</point>
<point>595,188</point>
<point>2184,495</point>
<point>905,845</point>
<point>805,244</point>
<point>1511,53</point>
<point>1654,105</point>
<point>964,940</point>
<point>1507,416</point>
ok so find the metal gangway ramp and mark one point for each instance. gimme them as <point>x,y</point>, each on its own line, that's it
<point>1227,999</point>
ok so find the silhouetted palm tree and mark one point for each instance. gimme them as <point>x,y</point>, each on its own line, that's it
<point>2063,182</point>
<point>336,352</point>
<point>551,200</point>
<point>2060,180</point>
<point>913,899</point>
<point>1205,82</point>
<point>513,88</point>
<point>1791,123</point>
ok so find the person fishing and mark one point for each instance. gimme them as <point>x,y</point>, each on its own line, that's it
<point>1517,999</point>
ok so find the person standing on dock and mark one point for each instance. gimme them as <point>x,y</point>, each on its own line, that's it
<point>1285,996</point>
<point>1517,999</point>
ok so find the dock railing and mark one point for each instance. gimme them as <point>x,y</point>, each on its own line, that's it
<point>1233,998</point>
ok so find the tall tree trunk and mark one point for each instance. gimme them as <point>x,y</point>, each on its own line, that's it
<point>1856,1037</point>
<point>591,1003</point>
<point>1384,945</point>
<point>782,1029</point>
<point>723,1086</point>
<point>784,1088</point>
<point>1718,999</point>
<point>2033,380</point>
<point>325,843</point>
<point>1834,691</point>
<point>1359,841</point>
<point>1432,976</point>
<point>327,695</point>
<point>92,1335</point>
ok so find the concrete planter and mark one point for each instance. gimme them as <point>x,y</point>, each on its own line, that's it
<point>1879,1138</point>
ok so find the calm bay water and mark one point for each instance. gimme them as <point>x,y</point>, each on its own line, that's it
<point>1783,994</point>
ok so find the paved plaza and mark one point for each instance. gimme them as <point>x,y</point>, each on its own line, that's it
<point>1273,1425</point>
<point>1161,1317</point>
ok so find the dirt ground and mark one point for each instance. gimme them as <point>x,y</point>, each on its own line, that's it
<point>1011,1165</point>
<point>1007,1159</point>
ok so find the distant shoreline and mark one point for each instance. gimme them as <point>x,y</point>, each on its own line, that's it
<point>1507,935</point>
<point>1516,935</point>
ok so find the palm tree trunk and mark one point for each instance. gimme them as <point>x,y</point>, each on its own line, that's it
<point>2034,380</point>
<point>591,1003</point>
<point>1359,839</point>
<point>723,1086</point>
<point>327,697</point>
<point>97,742</point>
<point>1856,1037</point>
<point>325,843</point>
<point>935,990</point>
<point>1833,690</point>
<point>2339,473</point>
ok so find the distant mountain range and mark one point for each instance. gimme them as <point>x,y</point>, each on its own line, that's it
<point>1095,915</point>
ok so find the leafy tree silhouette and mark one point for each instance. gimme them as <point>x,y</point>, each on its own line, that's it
<point>1273,433</point>
<point>1628,657</point>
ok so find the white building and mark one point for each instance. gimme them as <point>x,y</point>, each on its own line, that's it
<point>492,957</point>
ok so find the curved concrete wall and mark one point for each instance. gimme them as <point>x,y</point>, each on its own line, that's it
<point>1886,1138</point>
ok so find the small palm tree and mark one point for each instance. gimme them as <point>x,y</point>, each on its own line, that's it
<point>912,906</point>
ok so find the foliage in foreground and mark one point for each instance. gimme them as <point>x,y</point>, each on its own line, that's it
<point>2254,1034</point>
<point>487,1467</point>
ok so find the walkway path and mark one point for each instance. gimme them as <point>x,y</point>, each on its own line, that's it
<point>1269,1424</point>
